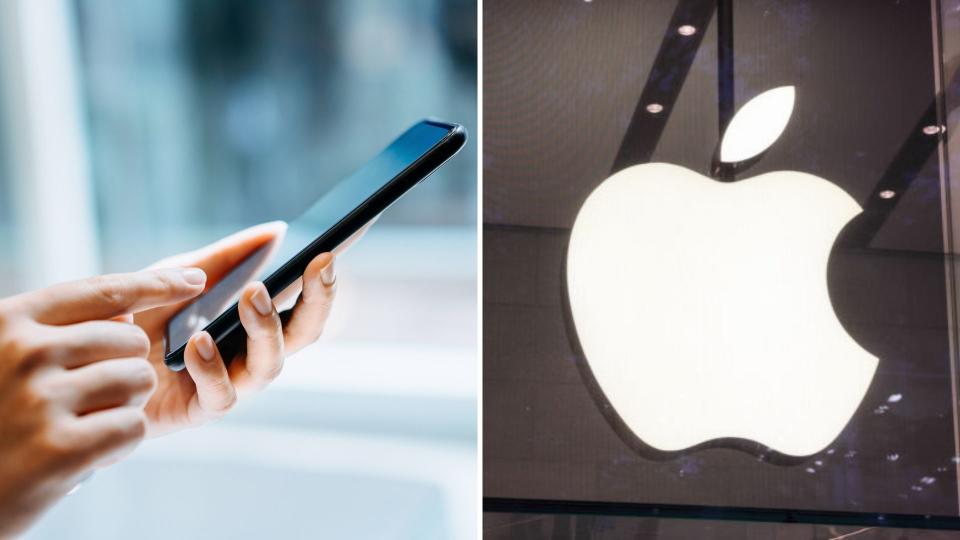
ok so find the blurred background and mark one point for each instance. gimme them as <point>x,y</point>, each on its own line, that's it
<point>135,129</point>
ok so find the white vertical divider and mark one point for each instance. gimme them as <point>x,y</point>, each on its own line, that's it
<point>55,220</point>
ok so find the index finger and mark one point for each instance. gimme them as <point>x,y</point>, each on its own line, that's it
<point>112,295</point>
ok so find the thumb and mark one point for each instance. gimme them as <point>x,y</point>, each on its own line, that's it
<point>222,256</point>
<point>218,258</point>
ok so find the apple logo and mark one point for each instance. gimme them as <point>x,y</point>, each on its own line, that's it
<point>702,306</point>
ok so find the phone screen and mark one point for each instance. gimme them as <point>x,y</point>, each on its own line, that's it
<point>331,208</point>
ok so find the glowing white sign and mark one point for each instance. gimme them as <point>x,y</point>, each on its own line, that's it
<point>703,311</point>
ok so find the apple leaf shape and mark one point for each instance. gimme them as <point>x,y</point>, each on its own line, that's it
<point>703,312</point>
<point>757,125</point>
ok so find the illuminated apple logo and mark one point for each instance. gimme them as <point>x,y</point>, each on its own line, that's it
<point>702,307</point>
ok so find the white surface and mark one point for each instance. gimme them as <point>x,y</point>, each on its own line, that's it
<point>227,482</point>
<point>353,440</point>
<point>375,368</point>
<point>703,309</point>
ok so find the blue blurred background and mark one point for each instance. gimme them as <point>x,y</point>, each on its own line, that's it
<point>135,129</point>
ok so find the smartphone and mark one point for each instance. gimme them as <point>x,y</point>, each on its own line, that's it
<point>339,213</point>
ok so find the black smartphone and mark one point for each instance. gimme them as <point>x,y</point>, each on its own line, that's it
<point>336,215</point>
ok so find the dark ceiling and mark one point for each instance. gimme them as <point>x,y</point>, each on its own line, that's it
<point>562,80</point>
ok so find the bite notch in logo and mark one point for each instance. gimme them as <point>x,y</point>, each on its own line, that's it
<point>702,307</point>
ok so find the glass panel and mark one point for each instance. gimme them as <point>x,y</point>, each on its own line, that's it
<point>771,333</point>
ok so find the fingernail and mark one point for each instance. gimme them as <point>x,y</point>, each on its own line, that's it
<point>261,301</point>
<point>194,276</point>
<point>329,274</point>
<point>204,345</point>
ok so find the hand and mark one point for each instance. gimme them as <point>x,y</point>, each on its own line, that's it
<point>207,389</point>
<point>73,384</point>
